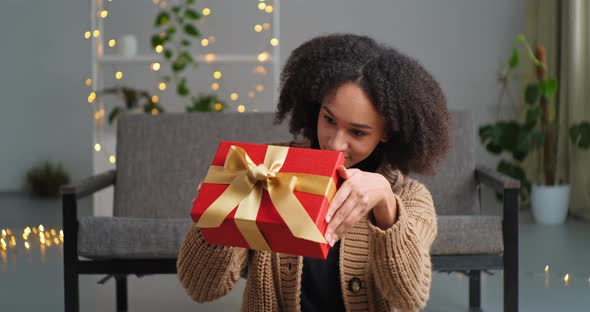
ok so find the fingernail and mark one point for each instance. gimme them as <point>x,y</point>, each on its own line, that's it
<point>332,242</point>
<point>328,236</point>
<point>328,217</point>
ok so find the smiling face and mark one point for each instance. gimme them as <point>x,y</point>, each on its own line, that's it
<point>349,123</point>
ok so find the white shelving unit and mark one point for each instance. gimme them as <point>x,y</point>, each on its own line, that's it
<point>103,200</point>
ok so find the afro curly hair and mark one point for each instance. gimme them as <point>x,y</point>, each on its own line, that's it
<point>406,96</point>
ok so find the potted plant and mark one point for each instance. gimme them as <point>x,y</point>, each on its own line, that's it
<point>45,180</point>
<point>136,101</point>
<point>535,131</point>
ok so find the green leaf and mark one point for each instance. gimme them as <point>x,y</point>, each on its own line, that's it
<point>191,30</point>
<point>171,30</point>
<point>167,54</point>
<point>176,9</point>
<point>156,41</point>
<point>549,87</point>
<point>190,1</point>
<point>520,38</point>
<point>186,56</point>
<point>514,59</point>
<point>580,135</point>
<point>178,65</point>
<point>182,89</point>
<point>114,114</point>
<point>162,18</point>
<point>531,94</point>
<point>532,116</point>
<point>192,14</point>
<point>516,172</point>
<point>185,42</point>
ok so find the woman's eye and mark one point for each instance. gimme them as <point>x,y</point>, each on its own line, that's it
<point>357,132</point>
<point>329,120</point>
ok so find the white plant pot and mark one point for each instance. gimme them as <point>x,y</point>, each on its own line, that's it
<point>127,45</point>
<point>550,203</point>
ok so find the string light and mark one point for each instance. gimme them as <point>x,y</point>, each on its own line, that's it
<point>218,106</point>
<point>251,94</point>
<point>97,147</point>
<point>3,233</point>
<point>118,75</point>
<point>217,75</point>
<point>88,82</point>
<point>112,43</point>
<point>205,42</point>
<point>162,86</point>
<point>96,33</point>
<point>91,97</point>
<point>206,11</point>
<point>156,66</point>
<point>41,227</point>
<point>258,28</point>
<point>260,70</point>
<point>566,279</point>
<point>112,159</point>
<point>212,39</point>
<point>233,96</point>
<point>159,48</point>
<point>8,232</point>
<point>215,86</point>
<point>210,57</point>
<point>155,99</point>
<point>241,108</point>
<point>261,6</point>
<point>104,14</point>
<point>259,88</point>
<point>268,9</point>
<point>274,42</point>
<point>87,35</point>
<point>52,232</point>
<point>266,26</point>
<point>27,246</point>
<point>55,240</point>
<point>263,57</point>
<point>154,111</point>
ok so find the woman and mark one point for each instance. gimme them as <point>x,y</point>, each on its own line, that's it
<point>388,116</point>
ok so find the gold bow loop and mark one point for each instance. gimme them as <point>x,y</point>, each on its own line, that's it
<point>246,184</point>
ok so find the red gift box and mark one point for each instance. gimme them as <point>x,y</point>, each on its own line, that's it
<point>266,197</point>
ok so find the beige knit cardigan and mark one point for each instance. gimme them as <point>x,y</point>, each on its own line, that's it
<point>380,270</point>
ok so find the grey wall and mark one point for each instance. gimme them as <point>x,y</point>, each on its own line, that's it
<point>44,60</point>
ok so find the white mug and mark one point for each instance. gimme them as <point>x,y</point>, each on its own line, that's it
<point>127,45</point>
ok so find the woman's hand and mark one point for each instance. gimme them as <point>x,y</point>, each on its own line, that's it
<point>360,193</point>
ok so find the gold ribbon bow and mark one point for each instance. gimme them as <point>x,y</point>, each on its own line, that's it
<point>246,183</point>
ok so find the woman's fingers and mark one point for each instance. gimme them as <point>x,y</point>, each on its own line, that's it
<point>343,219</point>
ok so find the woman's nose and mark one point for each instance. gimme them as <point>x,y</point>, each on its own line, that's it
<point>338,142</point>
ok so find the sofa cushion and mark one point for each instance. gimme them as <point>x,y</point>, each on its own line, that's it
<point>131,238</point>
<point>464,235</point>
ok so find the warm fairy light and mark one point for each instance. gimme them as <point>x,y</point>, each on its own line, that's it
<point>268,9</point>
<point>12,241</point>
<point>27,246</point>
<point>210,57</point>
<point>274,42</point>
<point>3,233</point>
<point>41,238</point>
<point>25,236</point>
<point>261,6</point>
<point>155,99</point>
<point>218,106</point>
<point>55,240</point>
<point>162,86</point>
<point>159,48</point>
<point>547,268</point>
<point>215,86</point>
<point>34,230</point>
<point>260,70</point>
<point>8,232</point>
<point>259,88</point>
<point>163,5</point>
<point>233,96</point>
<point>87,34</point>
<point>88,82</point>
<point>112,159</point>
<point>41,227</point>
<point>97,147</point>
<point>61,233</point>
<point>3,242</point>
<point>566,279</point>
<point>28,230</point>
<point>206,11</point>
<point>48,243</point>
<point>251,94</point>
<point>258,28</point>
<point>91,97</point>
<point>217,75</point>
<point>263,57</point>
<point>104,14</point>
<point>266,26</point>
<point>52,232</point>
<point>112,43</point>
<point>47,235</point>
<point>154,111</point>
<point>241,108</point>
<point>156,66</point>
<point>212,39</point>
<point>205,42</point>
<point>96,33</point>
<point>119,75</point>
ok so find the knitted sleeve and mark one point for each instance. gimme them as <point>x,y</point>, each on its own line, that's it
<point>206,271</point>
<point>401,254</point>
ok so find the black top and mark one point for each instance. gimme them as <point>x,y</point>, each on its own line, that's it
<point>320,283</point>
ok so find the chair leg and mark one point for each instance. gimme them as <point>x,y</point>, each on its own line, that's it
<point>510,233</point>
<point>121,289</point>
<point>71,290</point>
<point>475,291</point>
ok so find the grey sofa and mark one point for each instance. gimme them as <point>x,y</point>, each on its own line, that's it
<point>161,159</point>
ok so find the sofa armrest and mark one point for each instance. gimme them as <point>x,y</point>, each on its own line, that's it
<point>90,185</point>
<point>495,180</point>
